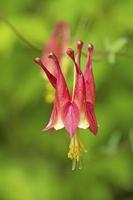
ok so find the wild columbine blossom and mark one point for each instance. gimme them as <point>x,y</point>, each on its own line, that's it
<point>57,43</point>
<point>76,110</point>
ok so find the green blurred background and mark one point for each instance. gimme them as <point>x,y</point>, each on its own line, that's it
<point>33,165</point>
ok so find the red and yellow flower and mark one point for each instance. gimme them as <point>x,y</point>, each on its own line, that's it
<point>76,110</point>
<point>56,43</point>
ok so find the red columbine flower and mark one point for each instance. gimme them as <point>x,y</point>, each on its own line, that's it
<point>57,44</point>
<point>76,110</point>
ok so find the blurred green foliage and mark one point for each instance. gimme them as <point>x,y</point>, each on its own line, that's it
<point>35,165</point>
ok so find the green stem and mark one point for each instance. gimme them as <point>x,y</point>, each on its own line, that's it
<point>18,34</point>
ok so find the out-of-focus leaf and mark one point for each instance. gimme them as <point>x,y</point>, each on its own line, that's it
<point>112,143</point>
<point>114,47</point>
<point>131,138</point>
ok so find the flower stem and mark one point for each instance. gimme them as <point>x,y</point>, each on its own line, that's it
<point>18,34</point>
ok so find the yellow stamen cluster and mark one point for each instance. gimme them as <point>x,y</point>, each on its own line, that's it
<point>49,96</point>
<point>76,148</point>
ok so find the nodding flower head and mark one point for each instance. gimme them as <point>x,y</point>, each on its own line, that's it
<point>57,43</point>
<point>76,110</point>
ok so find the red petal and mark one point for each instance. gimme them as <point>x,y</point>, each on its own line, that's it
<point>56,44</point>
<point>62,93</point>
<point>79,47</point>
<point>71,54</point>
<point>70,117</point>
<point>91,118</point>
<point>79,95</point>
<point>79,91</point>
<point>62,96</point>
<point>52,118</point>
<point>89,78</point>
<point>51,78</point>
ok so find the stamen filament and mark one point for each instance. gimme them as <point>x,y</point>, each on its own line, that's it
<point>76,148</point>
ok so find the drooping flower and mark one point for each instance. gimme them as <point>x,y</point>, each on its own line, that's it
<point>57,43</point>
<point>76,110</point>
